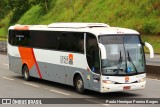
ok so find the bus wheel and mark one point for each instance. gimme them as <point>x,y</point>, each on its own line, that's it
<point>26,73</point>
<point>79,85</point>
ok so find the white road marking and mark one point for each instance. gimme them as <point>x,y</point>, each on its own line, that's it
<point>97,102</point>
<point>6,64</point>
<point>31,85</point>
<point>59,92</point>
<point>8,78</point>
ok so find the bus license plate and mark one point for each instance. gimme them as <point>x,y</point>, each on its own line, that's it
<point>126,88</point>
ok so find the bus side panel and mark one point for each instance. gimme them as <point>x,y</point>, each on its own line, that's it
<point>34,72</point>
<point>51,72</point>
<point>62,74</point>
<point>86,75</point>
<point>51,69</point>
<point>14,59</point>
<point>54,66</point>
<point>15,64</point>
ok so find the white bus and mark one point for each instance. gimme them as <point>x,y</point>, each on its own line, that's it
<point>91,56</point>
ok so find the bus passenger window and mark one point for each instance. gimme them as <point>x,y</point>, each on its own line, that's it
<point>92,52</point>
<point>22,38</point>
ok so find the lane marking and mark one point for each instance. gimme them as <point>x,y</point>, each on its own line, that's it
<point>59,92</point>
<point>97,102</point>
<point>6,64</point>
<point>8,78</point>
<point>33,85</point>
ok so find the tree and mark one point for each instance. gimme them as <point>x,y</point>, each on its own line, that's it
<point>4,8</point>
<point>43,3</point>
<point>19,7</point>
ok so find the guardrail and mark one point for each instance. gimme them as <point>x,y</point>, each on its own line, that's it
<point>153,71</point>
<point>3,47</point>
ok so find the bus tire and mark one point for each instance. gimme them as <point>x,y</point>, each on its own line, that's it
<point>25,71</point>
<point>79,85</point>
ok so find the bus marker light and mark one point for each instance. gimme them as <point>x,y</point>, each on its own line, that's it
<point>88,69</point>
<point>105,88</point>
<point>88,77</point>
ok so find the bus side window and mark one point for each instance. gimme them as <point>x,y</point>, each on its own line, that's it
<point>22,38</point>
<point>92,52</point>
<point>77,42</point>
<point>11,37</point>
<point>64,42</point>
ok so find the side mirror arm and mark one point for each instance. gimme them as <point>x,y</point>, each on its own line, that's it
<point>103,51</point>
<point>149,46</point>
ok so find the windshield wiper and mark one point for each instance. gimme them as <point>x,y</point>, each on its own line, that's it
<point>119,62</point>
<point>130,60</point>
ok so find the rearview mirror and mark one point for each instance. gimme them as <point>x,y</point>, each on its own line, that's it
<point>103,51</point>
<point>149,46</point>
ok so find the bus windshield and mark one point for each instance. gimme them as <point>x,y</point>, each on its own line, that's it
<point>125,55</point>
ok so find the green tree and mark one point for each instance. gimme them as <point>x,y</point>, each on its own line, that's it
<point>43,3</point>
<point>4,8</point>
<point>19,8</point>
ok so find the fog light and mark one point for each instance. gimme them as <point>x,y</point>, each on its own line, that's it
<point>108,82</point>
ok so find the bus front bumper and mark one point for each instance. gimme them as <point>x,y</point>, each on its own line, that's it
<point>122,87</point>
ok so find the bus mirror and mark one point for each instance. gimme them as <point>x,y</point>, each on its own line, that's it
<point>103,51</point>
<point>149,46</point>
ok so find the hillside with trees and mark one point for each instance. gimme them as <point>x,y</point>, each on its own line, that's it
<point>141,15</point>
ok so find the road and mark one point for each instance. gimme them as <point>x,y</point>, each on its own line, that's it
<point>13,86</point>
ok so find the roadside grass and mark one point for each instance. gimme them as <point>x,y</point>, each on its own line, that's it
<point>32,16</point>
<point>4,24</point>
<point>3,39</point>
<point>154,41</point>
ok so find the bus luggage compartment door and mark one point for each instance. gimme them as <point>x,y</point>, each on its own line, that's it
<point>96,82</point>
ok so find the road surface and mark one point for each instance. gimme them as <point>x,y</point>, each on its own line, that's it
<point>13,86</point>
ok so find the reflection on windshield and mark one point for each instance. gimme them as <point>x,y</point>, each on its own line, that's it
<point>124,54</point>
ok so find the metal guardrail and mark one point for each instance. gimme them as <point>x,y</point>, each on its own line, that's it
<point>3,47</point>
<point>153,71</point>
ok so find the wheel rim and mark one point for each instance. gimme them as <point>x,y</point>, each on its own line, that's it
<point>79,84</point>
<point>25,74</point>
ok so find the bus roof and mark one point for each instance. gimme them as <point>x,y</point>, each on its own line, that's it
<point>94,28</point>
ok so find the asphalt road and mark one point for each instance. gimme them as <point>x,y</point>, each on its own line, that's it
<point>12,85</point>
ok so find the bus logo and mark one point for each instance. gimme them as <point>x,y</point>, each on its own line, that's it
<point>67,59</point>
<point>71,59</point>
<point>126,79</point>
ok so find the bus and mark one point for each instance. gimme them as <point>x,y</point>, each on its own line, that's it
<point>92,56</point>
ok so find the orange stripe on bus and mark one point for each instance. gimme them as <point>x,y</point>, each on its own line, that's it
<point>21,27</point>
<point>28,57</point>
<point>39,72</point>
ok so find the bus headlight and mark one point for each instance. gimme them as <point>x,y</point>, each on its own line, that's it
<point>141,80</point>
<point>108,82</point>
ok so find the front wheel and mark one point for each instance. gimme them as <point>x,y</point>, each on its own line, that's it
<point>79,85</point>
<point>26,75</point>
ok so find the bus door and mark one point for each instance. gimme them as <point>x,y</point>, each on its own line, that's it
<point>93,59</point>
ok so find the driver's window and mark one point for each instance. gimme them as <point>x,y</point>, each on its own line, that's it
<point>92,52</point>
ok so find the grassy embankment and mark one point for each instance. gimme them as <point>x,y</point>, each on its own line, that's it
<point>143,15</point>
